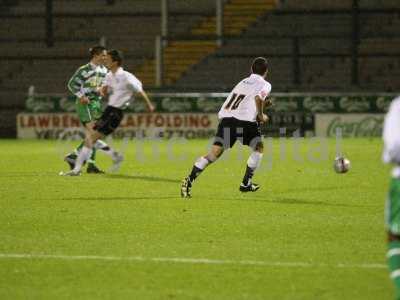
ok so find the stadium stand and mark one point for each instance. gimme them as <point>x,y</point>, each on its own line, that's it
<point>26,60</point>
<point>323,31</point>
<point>74,33</point>
<point>180,55</point>
<point>309,44</point>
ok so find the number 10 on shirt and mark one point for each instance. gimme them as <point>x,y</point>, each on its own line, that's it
<point>235,100</point>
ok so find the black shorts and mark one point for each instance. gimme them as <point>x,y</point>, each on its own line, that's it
<point>109,120</point>
<point>231,129</point>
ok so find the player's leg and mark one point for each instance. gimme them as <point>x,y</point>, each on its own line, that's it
<point>91,168</point>
<point>224,139</point>
<point>84,154</point>
<point>392,214</point>
<point>253,163</point>
<point>71,157</point>
<point>252,138</point>
<point>87,115</point>
<point>203,161</point>
<point>96,111</point>
<point>86,151</point>
<point>98,143</point>
<point>108,122</point>
<point>103,146</point>
<point>199,166</point>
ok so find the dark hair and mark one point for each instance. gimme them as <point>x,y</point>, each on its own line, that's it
<point>259,66</point>
<point>96,50</point>
<point>116,55</point>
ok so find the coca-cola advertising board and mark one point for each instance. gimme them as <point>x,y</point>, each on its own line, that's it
<point>349,125</point>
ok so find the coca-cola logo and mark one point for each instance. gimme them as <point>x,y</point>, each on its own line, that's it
<point>176,104</point>
<point>318,104</point>
<point>366,127</point>
<point>354,104</point>
<point>137,106</point>
<point>39,104</point>
<point>383,103</point>
<point>283,104</point>
<point>209,104</point>
<point>67,104</point>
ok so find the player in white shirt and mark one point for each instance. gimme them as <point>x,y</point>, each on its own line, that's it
<point>240,118</point>
<point>391,154</point>
<point>120,86</point>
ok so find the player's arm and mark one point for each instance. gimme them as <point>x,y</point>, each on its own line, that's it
<point>75,86</point>
<point>103,91</point>
<point>150,105</point>
<point>262,101</point>
<point>260,104</point>
<point>138,89</point>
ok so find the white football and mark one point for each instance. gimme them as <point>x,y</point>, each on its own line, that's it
<point>341,165</point>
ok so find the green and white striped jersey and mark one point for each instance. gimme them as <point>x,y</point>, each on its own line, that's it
<point>86,80</point>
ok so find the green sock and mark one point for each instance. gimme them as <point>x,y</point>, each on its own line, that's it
<point>393,257</point>
<point>92,158</point>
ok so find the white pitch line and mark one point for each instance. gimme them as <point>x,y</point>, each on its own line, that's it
<point>180,260</point>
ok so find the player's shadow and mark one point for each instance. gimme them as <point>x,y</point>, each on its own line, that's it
<point>142,177</point>
<point>285,200</point>
<point>320,188</point>
<point>119,198</point>
<point>26,174</point>
<point>295,201</point>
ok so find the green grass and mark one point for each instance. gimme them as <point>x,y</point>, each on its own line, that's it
<point>304,213</point>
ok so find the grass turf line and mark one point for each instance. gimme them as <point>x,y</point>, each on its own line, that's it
<point>304,212</point>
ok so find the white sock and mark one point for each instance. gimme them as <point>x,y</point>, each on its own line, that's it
<point>202,163</point>
<point>254,160</point>
<point>104,147</point>
<point>84,155</point>
<point>100,144</point>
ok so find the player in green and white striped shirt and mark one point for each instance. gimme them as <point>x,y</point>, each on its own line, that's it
<point>85,84</point>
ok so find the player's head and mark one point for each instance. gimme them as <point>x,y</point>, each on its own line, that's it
<point>98,54</point>
<point>260,66</point>
<point>114,58</point>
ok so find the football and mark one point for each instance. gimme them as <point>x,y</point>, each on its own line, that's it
<point>341,165</point>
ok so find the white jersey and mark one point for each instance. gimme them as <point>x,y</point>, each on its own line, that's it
<point>391,131</point>
<point>241,103</point>
<point>121,86</point>
<point>391,136</point>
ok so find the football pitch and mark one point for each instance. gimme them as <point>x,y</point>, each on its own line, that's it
<point>308,233</point>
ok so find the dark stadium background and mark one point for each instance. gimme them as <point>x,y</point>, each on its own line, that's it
<point>347,47</point>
